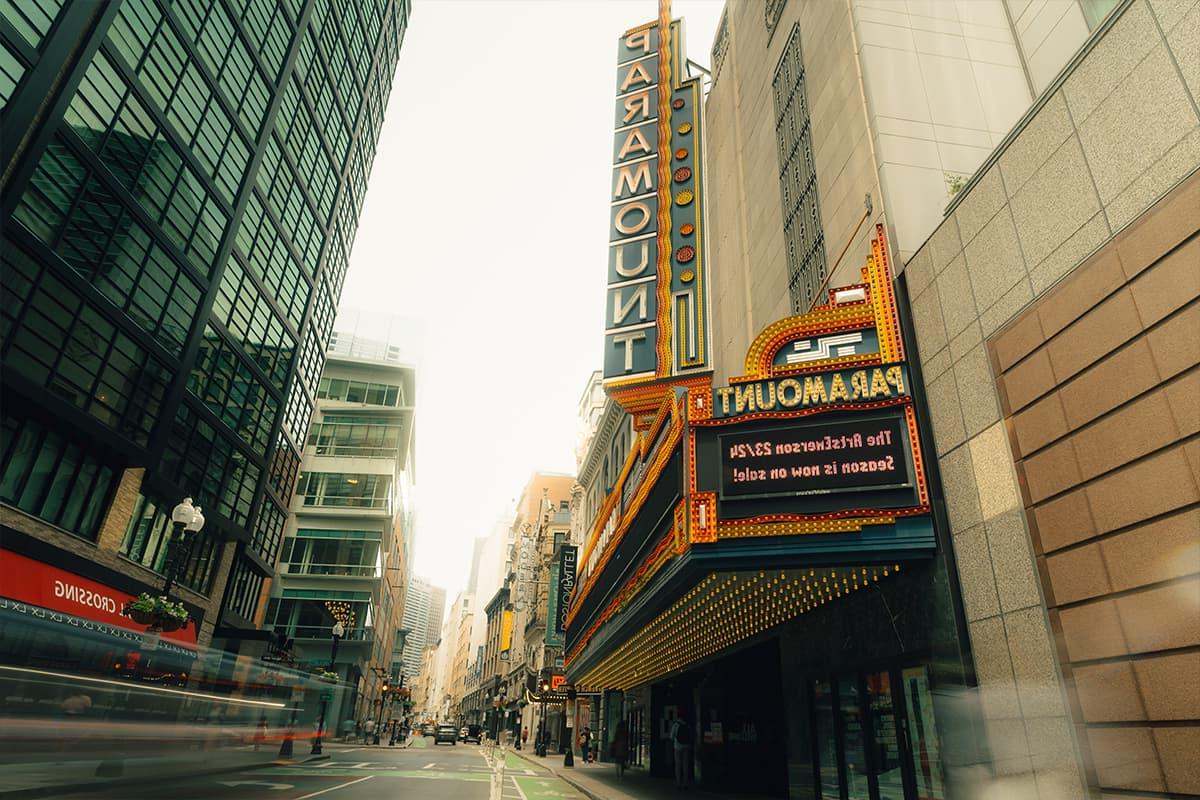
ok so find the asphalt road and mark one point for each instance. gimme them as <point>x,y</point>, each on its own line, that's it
<point>442,772</point>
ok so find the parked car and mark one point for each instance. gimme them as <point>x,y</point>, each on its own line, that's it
<point>471,733</point>
<point>445,733</point>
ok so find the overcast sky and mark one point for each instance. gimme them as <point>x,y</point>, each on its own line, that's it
<point>485,223</point>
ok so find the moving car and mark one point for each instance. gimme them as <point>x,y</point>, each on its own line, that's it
<point>471,733</point>
<point>445,733</point>
<point>427,729</point>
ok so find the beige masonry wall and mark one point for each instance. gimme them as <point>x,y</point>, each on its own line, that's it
<point>746,235</point>
<point>1117,133</point>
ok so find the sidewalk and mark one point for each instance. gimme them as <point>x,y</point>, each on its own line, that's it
<point>599,781</point>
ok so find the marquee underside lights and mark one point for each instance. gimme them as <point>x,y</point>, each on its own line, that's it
<point>720,611</point>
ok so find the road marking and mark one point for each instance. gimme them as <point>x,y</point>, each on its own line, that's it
<point>520,791</point>
<point>360,765</point>
<point>329,763</point>
<point>331,788</point>
<point>274,786</point>
<point>430,765</point>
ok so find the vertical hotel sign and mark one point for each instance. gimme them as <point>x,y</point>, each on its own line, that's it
<point>656,323</point>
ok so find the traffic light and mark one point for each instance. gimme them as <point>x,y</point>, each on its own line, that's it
<point>545,685</point>
<point>385,687</point>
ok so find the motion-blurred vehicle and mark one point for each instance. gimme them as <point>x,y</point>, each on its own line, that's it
<point>445,733</point>
<point>471,733</point>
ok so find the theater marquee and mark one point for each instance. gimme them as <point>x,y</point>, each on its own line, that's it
<point>811,457</point>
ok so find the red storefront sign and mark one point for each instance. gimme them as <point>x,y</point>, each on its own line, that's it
<point>30,581</point>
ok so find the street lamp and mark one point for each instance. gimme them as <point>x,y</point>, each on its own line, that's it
<point>186,523</point>
<point>541,744</point>
<point>338,631</point>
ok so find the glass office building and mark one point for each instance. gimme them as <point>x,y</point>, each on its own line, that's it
<point>181,183</point>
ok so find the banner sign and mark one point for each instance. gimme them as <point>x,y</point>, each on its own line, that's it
<point>567,562</point>
<point>554,637</point>
<point>31,581</point>
<point>815,459</point>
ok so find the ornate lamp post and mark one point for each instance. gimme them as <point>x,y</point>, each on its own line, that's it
<point>186,523</point>
<point>338,632</point>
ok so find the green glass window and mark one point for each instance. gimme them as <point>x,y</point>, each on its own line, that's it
<point>52,478</point>
<point>32,19</point>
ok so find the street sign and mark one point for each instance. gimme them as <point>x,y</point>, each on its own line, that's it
<point>326,696</point>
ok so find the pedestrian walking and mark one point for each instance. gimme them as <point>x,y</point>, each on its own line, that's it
<point>585,742</point>
<point>260,731</point>
<point>368,730</point>
<point>681,745</point>
<point>618,748</point>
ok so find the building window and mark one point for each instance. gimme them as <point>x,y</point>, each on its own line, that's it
<point>372,394</point>
<point>334,437</point>
<point>309,614</point>
<point>804,238</point>
<point>53,479</point>
<point>771,14</point>
<point>146,540</point>
<point>245,585</point>
<point>345,490</point>
<point>330,556</point>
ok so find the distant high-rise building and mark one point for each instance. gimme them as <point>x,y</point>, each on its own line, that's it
<point>181,186</point>
<point>424,607</point>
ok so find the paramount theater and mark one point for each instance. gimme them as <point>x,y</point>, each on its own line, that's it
<point>862,504</point>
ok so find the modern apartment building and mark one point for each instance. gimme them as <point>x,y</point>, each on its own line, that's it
<point>345,551</point>
<point>181,185</point>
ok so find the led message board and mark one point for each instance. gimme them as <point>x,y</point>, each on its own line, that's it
<point>815,459</point>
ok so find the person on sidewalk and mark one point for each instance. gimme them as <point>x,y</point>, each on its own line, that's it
<point>368,730</point>
<point>681,744</point>
<point>619,747</point>
<point>585,742</point>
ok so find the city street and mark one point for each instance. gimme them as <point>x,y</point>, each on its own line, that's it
<point>365,773</point>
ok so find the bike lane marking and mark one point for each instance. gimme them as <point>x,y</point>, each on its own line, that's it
<point>334,788</point>
<point>536,788</point>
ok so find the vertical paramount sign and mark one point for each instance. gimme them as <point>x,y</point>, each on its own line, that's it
<point>655,311</point>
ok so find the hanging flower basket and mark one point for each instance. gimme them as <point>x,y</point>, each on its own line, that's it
<point>157,612</point>
<point>328,677</point>
<point>140,617</point>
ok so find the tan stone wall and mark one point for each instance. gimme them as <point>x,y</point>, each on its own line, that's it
<point>1098,382</point>
<point>749,277</point>
<point>1115,135</point>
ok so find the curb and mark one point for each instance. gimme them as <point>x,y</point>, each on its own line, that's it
<point>95,786</point>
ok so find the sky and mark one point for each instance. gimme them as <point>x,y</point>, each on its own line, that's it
<point>484,227</point>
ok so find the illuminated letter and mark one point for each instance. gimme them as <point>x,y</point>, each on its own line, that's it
<point>724,393</point>
<point>895,379</point>
<point>758,396</point>
<point>743,398</point>
<point>837,388</point>
<point>639,39</point>
<point>637,73</point>
<point>794,385</point>
<point>858,380</point>
<point>621,310</point>
<point>814,391</point>
<point>879,384</point>
<point>629,230</point>
<point>628,339</point>
<point>643,258</point>
<point>634,142</point>
<point>633,177</point>
<point>636,103</point>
